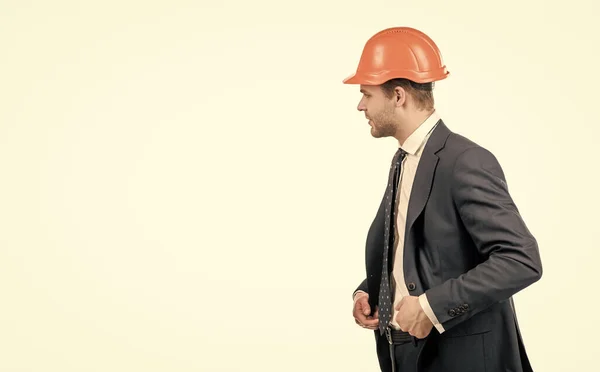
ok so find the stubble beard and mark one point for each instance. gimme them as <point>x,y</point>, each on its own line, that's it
<point>383,125</point>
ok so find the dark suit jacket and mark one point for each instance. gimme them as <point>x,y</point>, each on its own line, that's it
<point>468,249</point>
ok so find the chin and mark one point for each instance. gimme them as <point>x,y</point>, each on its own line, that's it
<point>377,132</point>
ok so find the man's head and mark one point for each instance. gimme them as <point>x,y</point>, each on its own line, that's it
<point>396,73</point>
<point>393,107</point>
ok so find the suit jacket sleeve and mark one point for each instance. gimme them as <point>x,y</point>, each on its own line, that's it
<point>510,256</point>
<point>362,287</point>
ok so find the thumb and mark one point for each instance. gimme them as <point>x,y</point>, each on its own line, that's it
<point>366,308</point>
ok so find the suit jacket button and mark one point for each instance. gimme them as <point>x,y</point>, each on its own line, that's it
<point>452,312</point>
<point>466,306</point>
<point>412,286</point>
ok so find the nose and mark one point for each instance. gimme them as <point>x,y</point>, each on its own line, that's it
<point>361,106</point>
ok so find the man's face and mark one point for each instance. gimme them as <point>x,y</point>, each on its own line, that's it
<point>379,110</point>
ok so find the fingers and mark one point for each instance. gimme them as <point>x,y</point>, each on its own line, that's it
<point>400,303</point>
<point>365,320</point>
<point>363,304</point>
<point>371,328</point>
<point>420,333</point>
<point>417,329</point>
<point>368,323</point>
<point>361,315</point>
<point>361,308</point>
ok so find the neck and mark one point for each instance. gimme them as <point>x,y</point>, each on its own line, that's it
<point>410,123</point>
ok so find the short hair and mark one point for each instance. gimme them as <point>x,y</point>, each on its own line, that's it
<point>421,92</point>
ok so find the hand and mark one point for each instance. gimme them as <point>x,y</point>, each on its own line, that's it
<point>412,319</point>
<point>362,310</point>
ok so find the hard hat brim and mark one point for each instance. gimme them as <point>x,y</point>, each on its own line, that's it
<point>386,75</point>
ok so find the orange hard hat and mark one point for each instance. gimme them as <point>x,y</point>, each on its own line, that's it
<point>399,52</point>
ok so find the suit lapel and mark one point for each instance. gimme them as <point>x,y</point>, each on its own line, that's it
<point>424,175</point>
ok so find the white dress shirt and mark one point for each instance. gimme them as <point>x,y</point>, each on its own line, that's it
<point>413,145</point>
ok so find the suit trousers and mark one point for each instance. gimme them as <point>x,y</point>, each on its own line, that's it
<point>406,356</point>
<point>450,358</point>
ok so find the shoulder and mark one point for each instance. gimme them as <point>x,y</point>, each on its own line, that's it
<point>460,145</point>
<point>463,154</point>
<point>459,148</point>
<point>448,143</point>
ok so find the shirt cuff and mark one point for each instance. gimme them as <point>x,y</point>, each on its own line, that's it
<point>430,314</point>
<point>358,294</point>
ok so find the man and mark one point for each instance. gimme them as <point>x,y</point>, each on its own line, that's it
<point>447,249</point>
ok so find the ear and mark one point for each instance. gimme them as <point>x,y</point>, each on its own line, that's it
<point>400,96</point>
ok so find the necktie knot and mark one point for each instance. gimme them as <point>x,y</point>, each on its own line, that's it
<point>400,154</point>
<point>398,157</point>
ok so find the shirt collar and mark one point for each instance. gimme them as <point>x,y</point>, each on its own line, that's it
<point>415,141</point>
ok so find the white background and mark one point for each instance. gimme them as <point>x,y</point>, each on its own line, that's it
<point>187,186</point>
